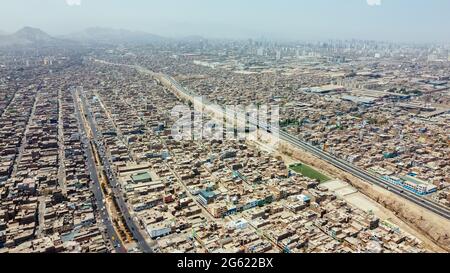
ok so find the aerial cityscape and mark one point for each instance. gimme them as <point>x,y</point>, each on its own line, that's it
<point>213,140</point>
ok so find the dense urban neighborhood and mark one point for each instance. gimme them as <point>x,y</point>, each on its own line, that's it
<point>357,159</point>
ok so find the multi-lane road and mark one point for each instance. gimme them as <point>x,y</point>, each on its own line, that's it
<point>118,195</point>
<point>96,188</point>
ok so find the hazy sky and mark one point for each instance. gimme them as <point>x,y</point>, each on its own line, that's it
<point>402,20</point>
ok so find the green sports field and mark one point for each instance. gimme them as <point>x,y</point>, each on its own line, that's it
<point>309,172</point>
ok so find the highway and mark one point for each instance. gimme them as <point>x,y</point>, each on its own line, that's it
<point>142,243</point>
<point>337,162</point>
<point>298,143</point>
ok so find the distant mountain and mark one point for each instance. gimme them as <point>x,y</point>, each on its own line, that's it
<point>29,36</point>
<point>32,35</point>
<point>113,36</point>
<point>193,38</point>
<point>3,32</point>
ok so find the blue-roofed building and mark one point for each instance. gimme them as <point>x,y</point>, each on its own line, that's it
<point>412,184</point>
<point>206,197</point>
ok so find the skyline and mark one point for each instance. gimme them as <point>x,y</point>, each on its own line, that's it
<point>388,20</point>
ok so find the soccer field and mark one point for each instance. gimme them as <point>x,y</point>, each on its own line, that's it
<point>309,172</point>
